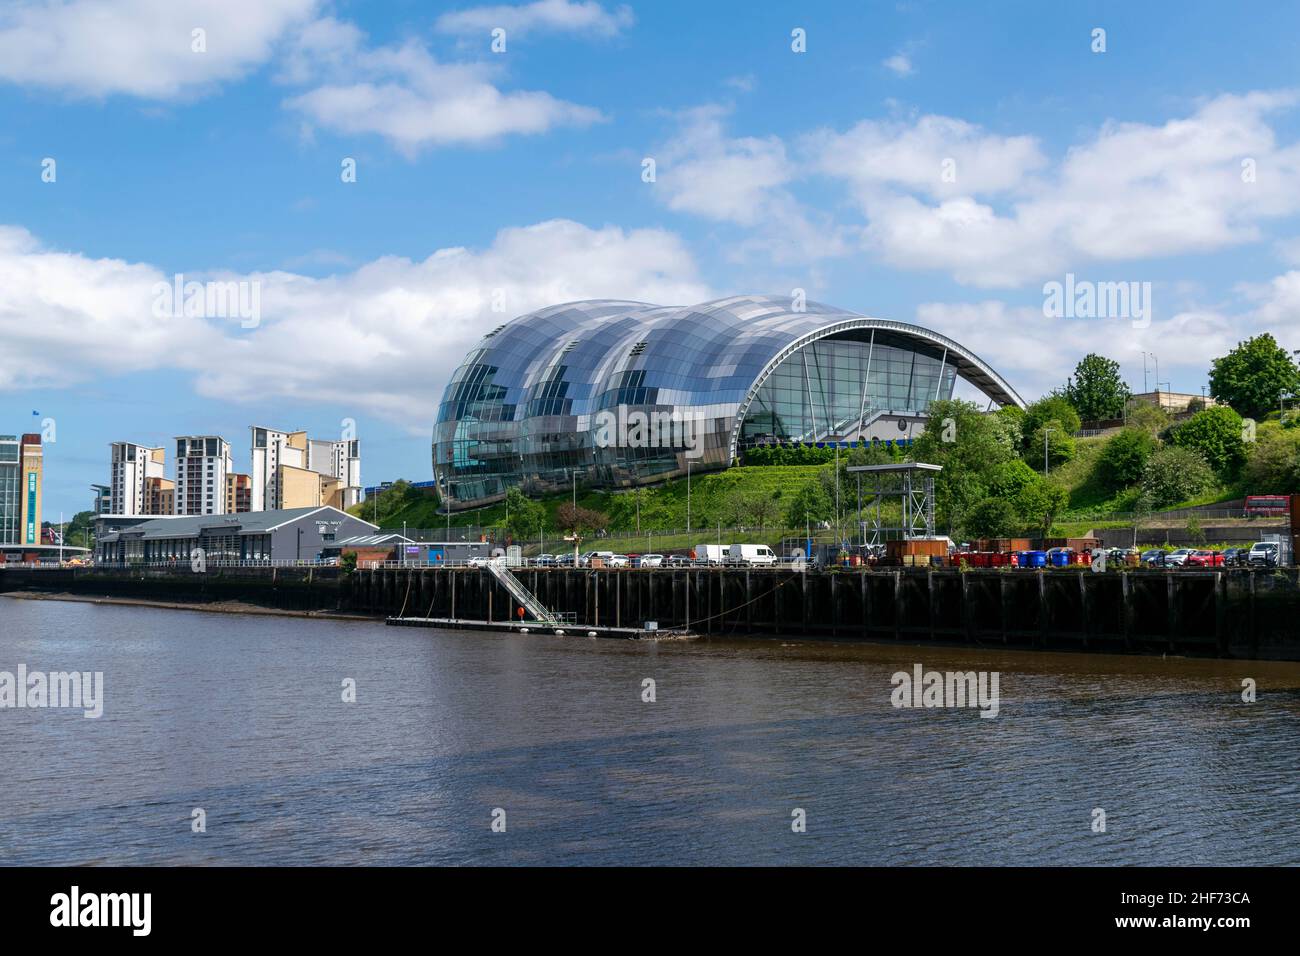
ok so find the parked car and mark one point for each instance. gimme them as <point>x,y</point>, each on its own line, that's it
<point>1236,557</point>
<point>679,561</point>
<point>650,561</point>
<point>1263,554</point>
<point>1154,557</point>
<point>1179,558</point>
<point>1205,559</point>
<point>564,560</point>
<point>1123,557</point>
<point>544,561</point>
<point>617,561</point>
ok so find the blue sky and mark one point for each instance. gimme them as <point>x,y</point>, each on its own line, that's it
<point>775,170</point>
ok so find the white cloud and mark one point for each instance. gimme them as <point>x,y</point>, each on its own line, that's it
<point>1036,353</point>
<point>553,16</point>
<point>385,336</point>
<point>405,95</point>
<point>1278,307</point>
<point>703,171</point>
<point>140,48</point>
<point>935,156</point>
<point>899,64</point>
<point>64,317</point>
<point>1134,191</point>
<point>742,181</point>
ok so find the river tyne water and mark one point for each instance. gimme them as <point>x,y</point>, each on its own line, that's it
<point>243,717</point>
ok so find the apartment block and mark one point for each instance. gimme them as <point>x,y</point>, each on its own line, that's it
<point>101,501</point>
<point>202,464</point>
<point>131,466</point>
<point>271,449</point>
<point>340,460</point>
<point>239,493</point>
<point>159,496</point>
<point>290,470</point>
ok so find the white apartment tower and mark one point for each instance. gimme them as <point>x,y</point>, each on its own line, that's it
<point>202,463</point>
<point>341,460</point>
<point>271,449</point>
<point>132,466</point>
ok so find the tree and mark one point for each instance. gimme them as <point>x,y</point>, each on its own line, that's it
<point>1252,376</point>
<point>1121,461</point>
<point>1173,475</point>
<point>524,517</point>
<point>579,520</point>
<point>810,505</point>
<point>1096,389</point>
<point>1273,467</point>
<point>969,445</point>
<point>762,508</point>
<point>1053,438</point>
<point>1150,418</point>
<point>1054,410</point>
<point>1216,434</point>
<point>1009,479</point>
<point>1040,503</point>
<point>77,531</point>
<point>991,518</point>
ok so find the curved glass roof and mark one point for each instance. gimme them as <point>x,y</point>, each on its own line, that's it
<point>531,386</point>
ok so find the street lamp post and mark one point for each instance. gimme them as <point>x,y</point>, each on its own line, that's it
<point>688,496</point>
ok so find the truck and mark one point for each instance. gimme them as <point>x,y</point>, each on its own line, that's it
<point>754,555</point>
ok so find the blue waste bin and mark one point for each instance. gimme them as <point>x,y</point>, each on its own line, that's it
<point>1060,559</point>
<point>1033,559</point>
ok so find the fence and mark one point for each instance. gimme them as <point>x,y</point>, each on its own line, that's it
<point>182,564</point>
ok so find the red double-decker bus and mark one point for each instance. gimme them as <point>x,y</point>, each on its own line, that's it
<point>1274,505</point>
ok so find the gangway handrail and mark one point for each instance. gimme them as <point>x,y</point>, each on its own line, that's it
<point>516,587</point>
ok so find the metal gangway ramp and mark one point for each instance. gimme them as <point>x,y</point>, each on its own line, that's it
<point>520,593</point>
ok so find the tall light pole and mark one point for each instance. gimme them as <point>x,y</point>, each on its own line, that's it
<point>688,496</point>
<point>839,528</point>
<point>1144,370</point>
<point>1046,431</point>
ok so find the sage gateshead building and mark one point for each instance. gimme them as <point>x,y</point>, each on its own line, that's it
<point>617,394</point>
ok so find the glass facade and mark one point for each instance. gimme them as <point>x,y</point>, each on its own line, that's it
<point>11,491</point>
<point>617,393</point>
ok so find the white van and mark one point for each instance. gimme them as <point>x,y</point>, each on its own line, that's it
<point>755,555</point>
<point>710,553</point>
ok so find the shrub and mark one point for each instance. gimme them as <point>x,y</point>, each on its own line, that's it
<point>1175,474</point>
<point>1216,434</point>
<point>991,518</point>
<point>1121,462</point>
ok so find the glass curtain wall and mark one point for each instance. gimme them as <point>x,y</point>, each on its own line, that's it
<point>835,386</point>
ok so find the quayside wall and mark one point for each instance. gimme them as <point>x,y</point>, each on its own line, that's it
<point>1246,613</point>
<point>282,589</point>
<point>1230,613</point>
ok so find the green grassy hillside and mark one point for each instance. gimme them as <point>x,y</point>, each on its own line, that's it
<point>714,497</point>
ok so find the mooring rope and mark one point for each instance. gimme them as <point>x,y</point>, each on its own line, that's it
<point>402,613</point>
<point>732,610</point>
